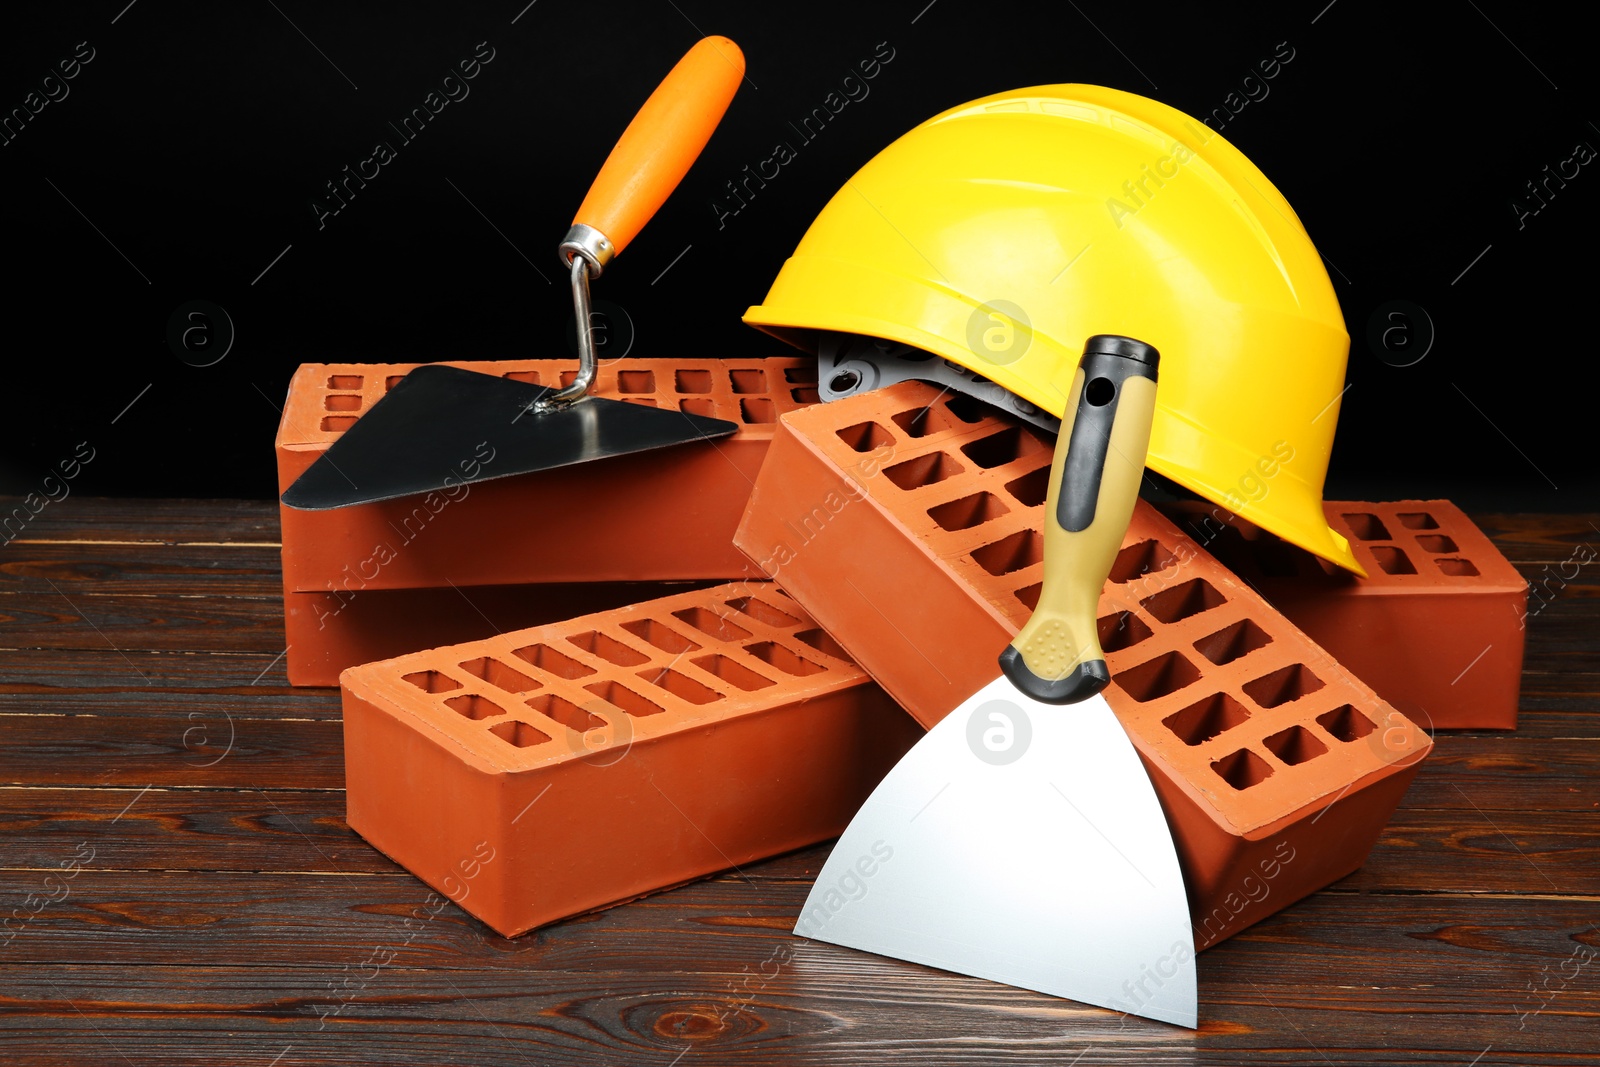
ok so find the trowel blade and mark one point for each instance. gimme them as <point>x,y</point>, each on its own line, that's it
<point>442,426</point>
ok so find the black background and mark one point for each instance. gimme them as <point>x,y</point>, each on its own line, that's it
<point>197,137</point>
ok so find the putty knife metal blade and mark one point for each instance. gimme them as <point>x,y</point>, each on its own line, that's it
<point>1023,843</point>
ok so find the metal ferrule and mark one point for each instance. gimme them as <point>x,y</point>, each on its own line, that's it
<point>586,241</point>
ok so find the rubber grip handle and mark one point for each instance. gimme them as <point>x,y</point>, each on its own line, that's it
<point>1094,484</point>
<point>663,141</point>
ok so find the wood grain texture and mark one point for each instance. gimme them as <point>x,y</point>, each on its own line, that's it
<point>141,622</point>
<point>228,915</point>
<point>1542,538</point>
<point>172,748</point>
<point>43,568</point>
<point>107,682</point>
<point>209,522</point>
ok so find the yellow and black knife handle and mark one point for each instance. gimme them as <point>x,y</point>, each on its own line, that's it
<point>1094,483</point>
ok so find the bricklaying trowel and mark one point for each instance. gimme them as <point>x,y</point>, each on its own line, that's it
<point>1021,840</point>
<point>422,435</point>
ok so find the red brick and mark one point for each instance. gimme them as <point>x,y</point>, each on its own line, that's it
<point>663,515</point>
<point>907,523</point>
<point>1436,627</point>
<point>722,728</point>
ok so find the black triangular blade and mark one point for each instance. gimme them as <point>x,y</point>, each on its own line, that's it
<point>444,426</point>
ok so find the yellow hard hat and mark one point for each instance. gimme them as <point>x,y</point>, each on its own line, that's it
<point>1003,233</point>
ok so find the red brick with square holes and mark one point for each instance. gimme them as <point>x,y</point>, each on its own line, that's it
<point>1436,627</point>
<point>606,757</point>
<point>907,523</point>
<point>663,515</point>
<point>656,516</point>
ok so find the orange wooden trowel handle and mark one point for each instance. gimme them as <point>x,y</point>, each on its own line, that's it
<point>662,141</point>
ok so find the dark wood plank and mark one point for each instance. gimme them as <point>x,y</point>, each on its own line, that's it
<point>202,747</point>
<point>105,682</point>
<point>127,698</point>
<point>1551,696</point>
<point>800,1016</point>
<point>126,622</point>
<point>1429,851</point>
<point>44,670</point>
<point>1513,773</point>
<point>742,988</point>
<point>87,519</point>
<point>1561,636</point>
<point>1556,585</point>
<point>1541,538</point>
<point>664,1028</point>
<point>232,829</point>
<point>44,568</point>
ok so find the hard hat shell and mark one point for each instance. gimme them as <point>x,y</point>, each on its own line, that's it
<point>1003,233</point>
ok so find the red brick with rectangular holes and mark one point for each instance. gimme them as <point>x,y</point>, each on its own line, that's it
<point>1436,627</point>
<point>655,516</point>
<point>907,522</point>
<point>662,515</point>
<point>551,771</point>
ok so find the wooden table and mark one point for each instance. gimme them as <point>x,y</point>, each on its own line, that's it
<point>222,913</point>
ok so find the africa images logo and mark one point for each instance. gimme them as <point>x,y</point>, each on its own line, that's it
<point>999,732</point>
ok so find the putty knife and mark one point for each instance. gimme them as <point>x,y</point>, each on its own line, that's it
<point>426,432</point>
<point>1021,840</point>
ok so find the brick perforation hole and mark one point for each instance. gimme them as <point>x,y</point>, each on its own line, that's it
<point>1185,600</point>
<point>499,675</point>
<point>1242,769</point>
<point>1156,678</point>
<point>1283,685</point>
<point>1207,718</point>
<point>1295,745</point>
<point>1120,630</point>
<point>1138,560</point>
